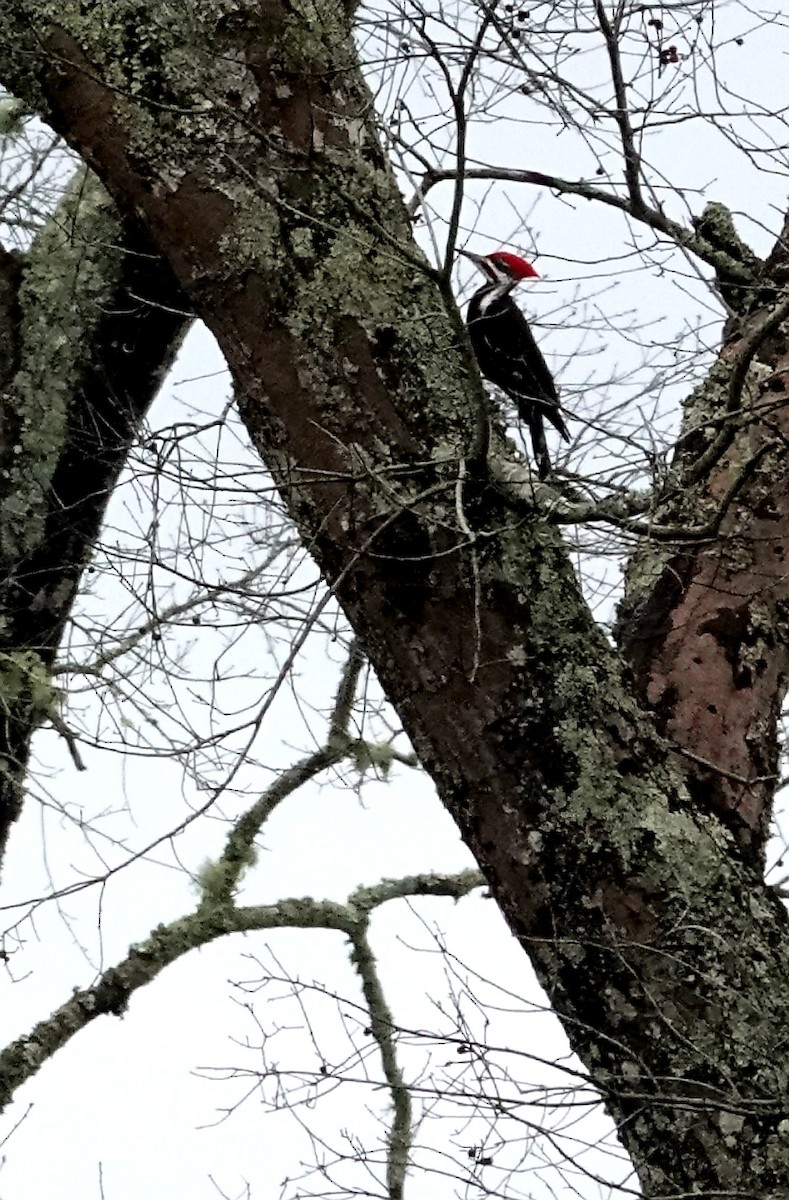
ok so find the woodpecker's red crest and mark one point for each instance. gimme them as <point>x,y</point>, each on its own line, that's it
<point>502,267</point>
<point>515,266</point>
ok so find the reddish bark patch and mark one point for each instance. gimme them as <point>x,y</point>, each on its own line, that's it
<point>709,647</point>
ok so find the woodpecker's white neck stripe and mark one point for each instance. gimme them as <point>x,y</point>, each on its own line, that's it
<point>497,290</point>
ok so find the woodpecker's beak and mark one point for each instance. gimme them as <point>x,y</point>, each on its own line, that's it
<point>492,271</point>
<point>477,259</point>
<point>484,265</point>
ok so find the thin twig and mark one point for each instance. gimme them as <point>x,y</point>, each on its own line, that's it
<point>685,238</point>
<point>220,878</point>
<point>472,538</point>
<point>622,112</point>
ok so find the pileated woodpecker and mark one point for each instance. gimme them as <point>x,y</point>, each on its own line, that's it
<point>506,351</point>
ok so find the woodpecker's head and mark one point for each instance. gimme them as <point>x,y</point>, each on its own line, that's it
<point>501,268</point>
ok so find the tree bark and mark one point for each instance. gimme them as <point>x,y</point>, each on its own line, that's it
<point>704,624</point>
<point>92,318</point>
<point>241,137</point>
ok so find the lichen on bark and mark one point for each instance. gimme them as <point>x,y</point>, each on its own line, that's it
<point>66,288</point>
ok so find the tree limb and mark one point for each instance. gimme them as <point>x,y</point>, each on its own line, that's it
<point>96,322</point>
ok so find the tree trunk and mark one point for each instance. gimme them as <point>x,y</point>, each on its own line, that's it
<point>92,318</point>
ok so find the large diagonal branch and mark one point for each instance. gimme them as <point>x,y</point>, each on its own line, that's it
<point>242,137</point>
<point>96,320</point>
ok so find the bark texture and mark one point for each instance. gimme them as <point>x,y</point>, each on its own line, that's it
<point>92,317</point>
<point>705,622</point>
<point>239,134</point>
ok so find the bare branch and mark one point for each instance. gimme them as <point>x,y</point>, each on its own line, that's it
<point>632,158</point>
<point>21,1059</point>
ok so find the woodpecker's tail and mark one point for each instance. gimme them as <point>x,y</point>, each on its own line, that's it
<point>538,444</point>
<point>554,415</point>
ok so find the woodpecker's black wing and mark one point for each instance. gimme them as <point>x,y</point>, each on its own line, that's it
<point>509,357</point>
